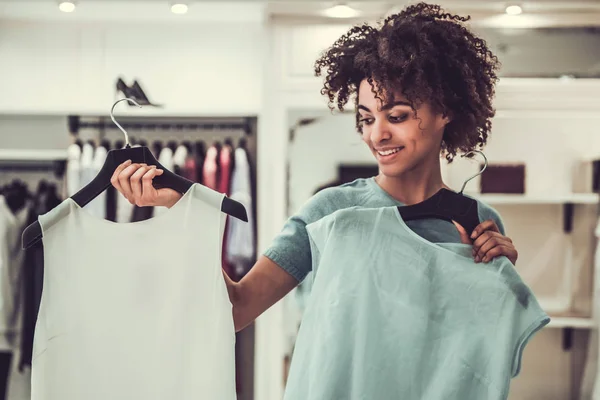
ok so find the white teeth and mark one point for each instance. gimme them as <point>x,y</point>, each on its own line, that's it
<point>389,152</point>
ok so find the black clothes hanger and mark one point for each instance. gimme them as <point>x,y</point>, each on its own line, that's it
<point>447,205</point>
<point>33,233</point>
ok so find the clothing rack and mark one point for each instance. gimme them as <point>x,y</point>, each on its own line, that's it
<point>17,160</point>
<point>245,124</point>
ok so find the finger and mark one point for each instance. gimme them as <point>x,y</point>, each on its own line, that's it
<point>136,183</point>
<point>500,250</point>
<point>124,181</point>
<point>490,243</point>
<point>149,191</point>
<point>114,179</point>
<point>485,226</point>
<point>464,236</point>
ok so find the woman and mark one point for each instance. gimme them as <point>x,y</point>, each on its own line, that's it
<point>423,86</point>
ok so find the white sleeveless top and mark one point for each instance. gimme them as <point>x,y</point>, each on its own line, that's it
<point>135,310</point>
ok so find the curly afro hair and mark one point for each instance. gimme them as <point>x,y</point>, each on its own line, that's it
<point>431,56</point>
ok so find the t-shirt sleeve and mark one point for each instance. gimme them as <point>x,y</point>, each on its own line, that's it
<point>291,249</point>
<point>318,233</point>
<point>528,321</point>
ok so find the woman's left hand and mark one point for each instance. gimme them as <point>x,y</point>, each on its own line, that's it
<point>488,242</point>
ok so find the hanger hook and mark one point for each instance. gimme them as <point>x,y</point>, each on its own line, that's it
<point>477,174</point>
<point>127,145</point>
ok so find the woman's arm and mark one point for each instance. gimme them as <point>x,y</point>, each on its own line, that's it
<point>263,286</point>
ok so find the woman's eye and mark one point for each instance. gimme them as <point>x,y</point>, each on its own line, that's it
<point>398,118</point>
<point>366,121</point>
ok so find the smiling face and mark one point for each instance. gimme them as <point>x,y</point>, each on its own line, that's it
<point>400,139</point>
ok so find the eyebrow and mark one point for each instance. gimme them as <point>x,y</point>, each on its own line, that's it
<point>387,106</point>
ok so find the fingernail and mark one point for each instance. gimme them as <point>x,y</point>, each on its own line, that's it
<point>473,234</point>
<point>128,162</point>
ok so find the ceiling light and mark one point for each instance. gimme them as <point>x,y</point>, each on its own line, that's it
<point>179,8</point>
<point>66,6</point>
<point>341,11</point>
<point>514,10</point>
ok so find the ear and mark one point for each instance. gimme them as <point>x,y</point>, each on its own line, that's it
<point>446,118</point>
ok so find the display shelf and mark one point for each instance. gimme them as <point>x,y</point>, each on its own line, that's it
<point>32,155</point>
<point>573,198</point>
<point>572,322</point>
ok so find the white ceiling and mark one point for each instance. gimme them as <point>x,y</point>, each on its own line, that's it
<point>485,12</point>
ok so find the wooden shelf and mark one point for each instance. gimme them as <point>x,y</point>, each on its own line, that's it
<point>572,322</point>
<point>574,198</point>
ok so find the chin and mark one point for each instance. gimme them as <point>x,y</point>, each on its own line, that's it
<point>392,171</point>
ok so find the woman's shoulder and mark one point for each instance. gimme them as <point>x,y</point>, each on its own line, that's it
<point>335,197</point>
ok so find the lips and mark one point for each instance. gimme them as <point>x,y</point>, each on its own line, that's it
<point>389,151</point>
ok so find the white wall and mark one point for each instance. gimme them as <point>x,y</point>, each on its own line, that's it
<point>204,69</point>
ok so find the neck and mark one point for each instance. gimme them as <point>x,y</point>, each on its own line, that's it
<point>414,186</point>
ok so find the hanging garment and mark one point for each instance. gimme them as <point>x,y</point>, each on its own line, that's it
<point>190,169</point>
<point>240,250</point>
<point>209,169</point>
<point>226,164</point>
<point>394,316</point>
<point>167,160</point>
<point>33,277</point>
<point>137,310</point>
<point>97,207</point>
<point>200,158</point>
<point>223,185</point>
<point>86,165</point>
<point>179,158</point>
<point>73,171</point>
<point>10,278</point>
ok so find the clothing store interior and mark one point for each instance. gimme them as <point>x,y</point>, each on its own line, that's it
<point>111,293</point>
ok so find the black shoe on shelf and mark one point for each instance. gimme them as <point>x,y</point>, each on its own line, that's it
<point>123,88</point>
<point>140,95</point>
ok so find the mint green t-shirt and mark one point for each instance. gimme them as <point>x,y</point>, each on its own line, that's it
<point>392,315</point>
<point>291,248</point>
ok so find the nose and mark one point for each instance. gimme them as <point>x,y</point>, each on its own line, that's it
<point>380,132</point>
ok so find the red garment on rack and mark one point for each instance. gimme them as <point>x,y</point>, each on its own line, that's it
<point>189,170</point>
<point>209,169</point>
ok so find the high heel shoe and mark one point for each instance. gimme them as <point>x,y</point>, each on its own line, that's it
<point>123,88</point>
<point>141,96</point>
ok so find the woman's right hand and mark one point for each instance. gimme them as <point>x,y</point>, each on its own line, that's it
<point>134,181</point>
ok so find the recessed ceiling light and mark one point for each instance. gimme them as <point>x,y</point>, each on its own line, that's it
<point>514,10</point>
<point>66,6</point>
<point>341,11</point>
<point>179,8</point>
